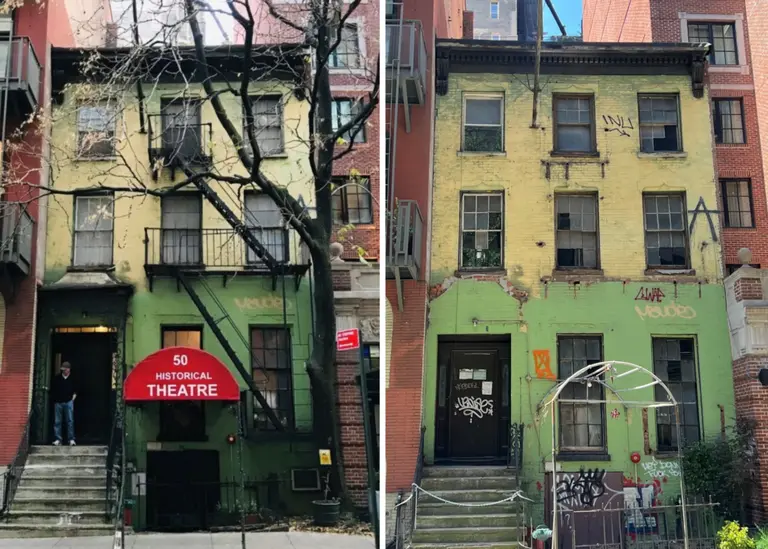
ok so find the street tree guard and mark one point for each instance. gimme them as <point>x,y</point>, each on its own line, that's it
<point>605,374</point>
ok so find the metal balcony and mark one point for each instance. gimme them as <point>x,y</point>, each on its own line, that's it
<point>404,248</point>
<point>406,60</point>
<point>20,75</point>
<point>16,235</point>
<point>222,251</point>
<point>175,146</point>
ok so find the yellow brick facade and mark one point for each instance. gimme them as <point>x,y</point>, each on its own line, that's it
<point>619,175</point>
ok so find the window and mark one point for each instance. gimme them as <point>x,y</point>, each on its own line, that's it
<point>96,131</point>
<point>737,203</point>
<point>351,201</point>
<point>576,231</point>
<point>370,357</point>
<point>481,230</point>
<point>574,124</point>
<point>182,235</point>
<point>183,420</point>
<point>271,366</point>
<point>494,10</point>
<point>729,121</point>
<point>665,231</point>
<point>674,362</point>
<point>483,124</point>
<point>264,220</point>
<point>722,36</point>
<point>343,111</point>
<point>268,124</point>
<point>659,128</point>
<point>181,129</point>
<point>582,426</point>
<point>347,53</point>
<point>731,268</point>
<point>94,224</point>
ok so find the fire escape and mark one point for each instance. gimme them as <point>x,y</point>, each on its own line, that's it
<point>406,63</point>
<point>192,256</point>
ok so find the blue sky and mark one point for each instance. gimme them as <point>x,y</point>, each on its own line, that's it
<point>569,12</point>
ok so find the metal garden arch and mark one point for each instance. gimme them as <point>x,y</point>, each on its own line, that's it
<point>605,374</point>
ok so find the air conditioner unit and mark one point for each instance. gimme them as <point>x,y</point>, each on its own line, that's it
<point>305,480</point>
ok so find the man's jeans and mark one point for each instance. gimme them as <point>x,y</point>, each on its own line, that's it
<point>67,409</point>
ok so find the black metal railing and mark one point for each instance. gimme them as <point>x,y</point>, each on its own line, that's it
<point>220,248</point>
<point>187,506</point>
<point>404,240</point>
<point>405,505</point>
<point>19,62</point>
<point>515,456</point>
<point>16,235</point>
<point>114,462</point>
<point>178,144</point>
<point>16,468</point>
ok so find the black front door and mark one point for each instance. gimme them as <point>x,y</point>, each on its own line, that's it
<point>92,356</point>
<point>473,401</point>
<point>183,489</point>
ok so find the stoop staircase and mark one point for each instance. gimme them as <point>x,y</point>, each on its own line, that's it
<point>61,494</point>
<point>446,525</point>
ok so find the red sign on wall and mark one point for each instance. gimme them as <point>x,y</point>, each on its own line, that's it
<point>347,340</point>
<point>181,373</point>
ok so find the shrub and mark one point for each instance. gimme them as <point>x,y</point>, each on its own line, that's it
<point>733,536</point>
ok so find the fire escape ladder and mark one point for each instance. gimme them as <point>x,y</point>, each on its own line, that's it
<point>214,326</point>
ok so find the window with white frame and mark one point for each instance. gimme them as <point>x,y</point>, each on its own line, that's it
<point>494,9</point>
<point>94,228</point>
<point>347,53</point>
<point>96,131</point>
<point>343,111</point>
<point>265,222</point>
<point>482,232</point>
<point>267,124</point>
<point>483,123</point>
<point>721,36</point>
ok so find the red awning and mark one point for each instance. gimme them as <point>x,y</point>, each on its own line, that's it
<point>180,373</point>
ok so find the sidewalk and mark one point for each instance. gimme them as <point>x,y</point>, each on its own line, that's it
<point>255,540</point>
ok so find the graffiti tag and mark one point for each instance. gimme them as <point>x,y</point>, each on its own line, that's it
<point>673,310</point>
<point>257,303</point>
<point>619,124</point>
<point>654,295</point>
<point>542,364</point>
<point>474,407</point>
<point>701,207</point>
<point>581,489</point>
<point>660,469</point>
<point>465,386</point>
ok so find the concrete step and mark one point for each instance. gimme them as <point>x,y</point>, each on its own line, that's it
<point>31,530</point>
<point>464,495</point>
<point>445,536</point>
<point>488,520</point>
<point>61,505</point>
<point>67,460</point>
<point>56,518</point>
<point>59,471</point>
<point>453,471</point>
<point>69,481</point>
<point>429,507</point>
<point>56,492</point>
<point>498,545</point>
<point>69,450</point>
<point>434,484</point>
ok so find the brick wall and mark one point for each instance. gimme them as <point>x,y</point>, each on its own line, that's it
<point>617,21</point>
<point>757,24</point>
<point>748,288</point>
<point>404,391</point>
<point>352,429</point>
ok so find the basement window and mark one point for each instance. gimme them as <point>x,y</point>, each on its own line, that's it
<point>666,242</point>
<point>576,219</point>
<point>659,126</point>
<point>482,234</point>
<point>483,123</point>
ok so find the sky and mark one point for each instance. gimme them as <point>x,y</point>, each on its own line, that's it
<point>569,12</point>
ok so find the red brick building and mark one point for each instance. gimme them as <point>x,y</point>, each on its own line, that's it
<point>31,29</point>
<point>737,74</point>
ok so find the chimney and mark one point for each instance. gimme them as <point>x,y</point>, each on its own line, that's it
<point>468,24</point>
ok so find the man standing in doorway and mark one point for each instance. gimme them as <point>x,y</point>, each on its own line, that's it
<point>64,395</point>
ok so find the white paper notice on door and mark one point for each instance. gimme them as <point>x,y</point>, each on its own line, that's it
<point>479,375</point>
<point>465,374</point>
<point>487,387</point>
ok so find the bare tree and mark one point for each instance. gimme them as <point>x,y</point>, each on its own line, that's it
<point>130,76</point>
